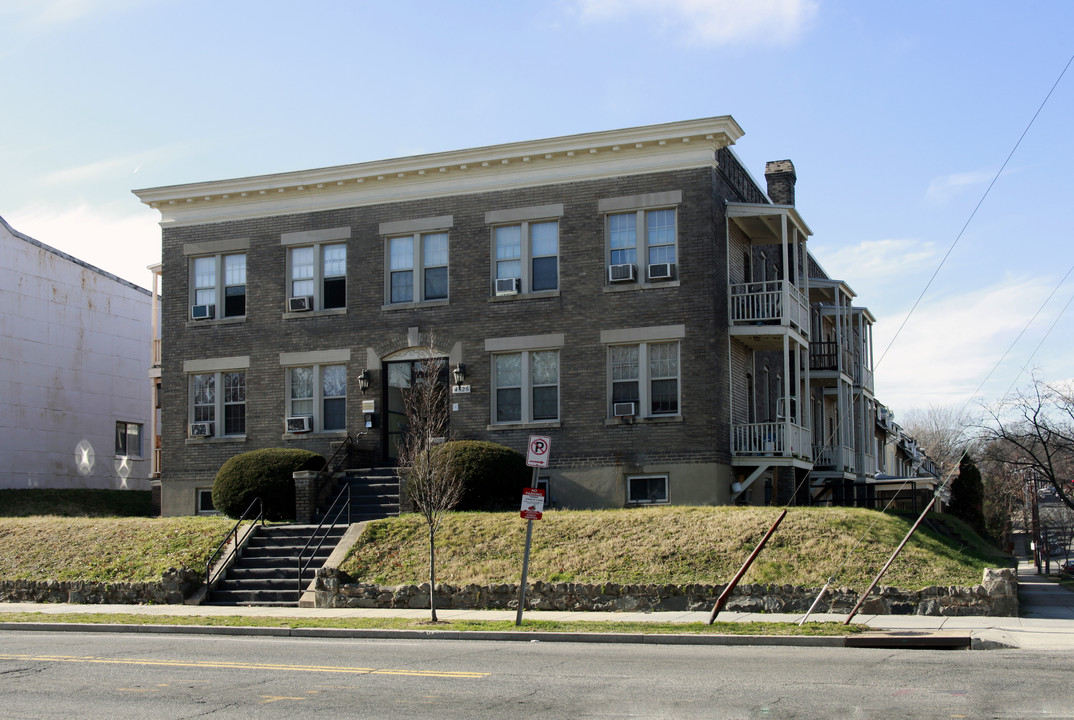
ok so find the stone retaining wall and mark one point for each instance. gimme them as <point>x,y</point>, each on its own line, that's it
<point>172,589</point>
<point>997,595</point>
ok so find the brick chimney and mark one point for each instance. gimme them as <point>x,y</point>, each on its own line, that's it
<point>780,176</point>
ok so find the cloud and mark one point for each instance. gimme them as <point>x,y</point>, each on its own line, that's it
<point>951,345</point>
<point>124,166</point>
<point>874,264</point>
<point>944,188</point>
<point>123,241</point>
<point>47,13</point>
<point>715,21</point>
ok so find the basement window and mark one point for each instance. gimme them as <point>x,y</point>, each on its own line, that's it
<point>647,489</point>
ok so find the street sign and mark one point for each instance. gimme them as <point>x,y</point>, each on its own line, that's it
<point>532,504</point>
<point>538,451</point>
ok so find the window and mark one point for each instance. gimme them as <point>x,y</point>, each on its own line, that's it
<point>648,235</point>
<point>209,405</point>
<point>319,272</point>
<point>646,374</point>
<point>205,502</point>
<point>647,489</point>
<point>418,267</point>
<point>526,386</point>
<point>320,393</point>
<point>529,253</point>
<point>642,240</point>
<point>220,277</point>
<point>129,439</point>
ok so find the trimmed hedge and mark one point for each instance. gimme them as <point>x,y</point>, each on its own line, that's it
<point>267,474</point>
<point>494,475</point>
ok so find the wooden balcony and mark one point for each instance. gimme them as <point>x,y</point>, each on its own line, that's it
<point>770,440</point>
<point>761,308</point>
<point>834,457</point>
<point>829,357</point>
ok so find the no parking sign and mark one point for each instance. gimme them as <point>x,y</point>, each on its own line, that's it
<point>537,456</point>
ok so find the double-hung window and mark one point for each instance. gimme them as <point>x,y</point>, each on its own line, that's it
<point>525,381</point>
<point>416,260</point>
<point>319,273</point>
<point>219,286</point>
<point>217,391</point>
<point>646,374</point>
<point>129,439</point>
<point>320,393</point>
<point>644,371</point>
<point>642,238</point>
<point>316,269</point>
<point>418,267</point>
<point>316,389</point>
<point>525,249</point>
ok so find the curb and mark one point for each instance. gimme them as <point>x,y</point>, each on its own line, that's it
<point>870,640</point>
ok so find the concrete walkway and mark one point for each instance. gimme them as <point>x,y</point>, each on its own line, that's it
<point>1046,622</point>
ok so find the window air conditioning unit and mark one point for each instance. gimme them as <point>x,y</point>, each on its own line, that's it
<point>202,312</point>
<point>299,424</point>
<point>620,273</point>
<point>624,409</point>
<point>661,271</point>
<point>299,304</point>
<point>508,286</point>
<point>201,429</point>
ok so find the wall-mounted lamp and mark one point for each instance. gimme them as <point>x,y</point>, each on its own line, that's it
<point>459,374</point>
<point>363,381</point>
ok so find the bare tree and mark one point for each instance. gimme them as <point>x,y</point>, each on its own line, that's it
<point>430,482</point>
<point>943,432</point>
<point>1032,430</point>
<point>1004,498</point>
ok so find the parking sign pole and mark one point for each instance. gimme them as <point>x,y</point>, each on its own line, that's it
<point>525,560</point>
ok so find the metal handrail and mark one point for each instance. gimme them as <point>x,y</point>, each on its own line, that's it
<point>347,444</point>
<point>344,496</point>
<point>209,579</point>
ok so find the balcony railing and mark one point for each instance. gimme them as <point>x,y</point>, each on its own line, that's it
<point>774,439</point>
<point>834,457</point>
<point>776,302</point>
<point>156,352</point>
<point>863,376</point>
<point>825,357</point>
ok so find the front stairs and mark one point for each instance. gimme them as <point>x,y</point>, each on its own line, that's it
<point>266,572</point>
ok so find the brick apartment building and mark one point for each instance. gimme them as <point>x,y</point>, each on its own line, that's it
<point>633,294</point>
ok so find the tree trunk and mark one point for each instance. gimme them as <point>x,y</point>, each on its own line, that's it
<point>432,572</point>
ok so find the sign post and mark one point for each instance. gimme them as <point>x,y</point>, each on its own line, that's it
<point>532,507</point>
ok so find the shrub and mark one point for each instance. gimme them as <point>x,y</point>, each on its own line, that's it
<point>494,475</point>
<point>266,474</point>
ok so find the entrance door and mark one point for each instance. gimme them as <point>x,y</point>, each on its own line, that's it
<point>399,377</point>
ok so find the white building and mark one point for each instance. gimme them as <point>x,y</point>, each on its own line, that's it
<point>75,408</point>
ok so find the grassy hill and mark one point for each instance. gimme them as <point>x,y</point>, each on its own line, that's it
<point>86,537</point>
<point>673,545</point>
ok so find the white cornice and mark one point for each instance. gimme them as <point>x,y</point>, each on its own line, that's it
<point>648,149</point>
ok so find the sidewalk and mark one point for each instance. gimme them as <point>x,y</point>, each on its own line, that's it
<point>1046,622</point>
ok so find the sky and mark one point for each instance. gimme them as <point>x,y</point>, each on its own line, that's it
<point>898,118</point>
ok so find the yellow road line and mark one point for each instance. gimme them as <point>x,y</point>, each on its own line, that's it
<point>231,665</point>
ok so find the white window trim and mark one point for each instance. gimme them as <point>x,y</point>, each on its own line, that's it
<point>524,218</point>
<point>525,345</point>
<point>318,277</point>
<point>218,367</point>
<point>417,269</point>
<point>220,284</point>
<point>197,501</point>
<point>316,360</point>
<point>643,337</point>
<point>640,205</point>
<point>654,476</point>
